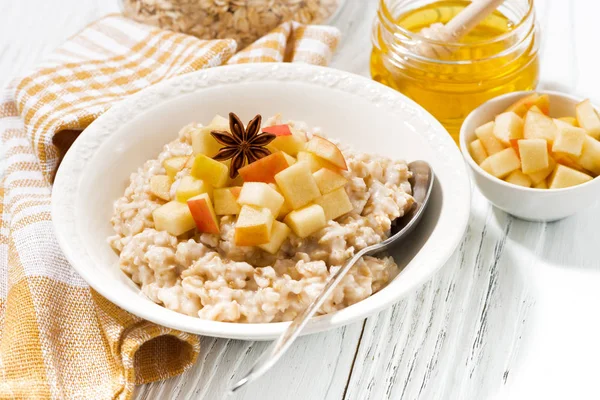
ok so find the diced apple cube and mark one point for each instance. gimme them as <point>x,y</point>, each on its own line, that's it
<point>261,195</point>
<point>534,155</point>
<point>190,187</point>
<point>541,185</point>
<point>279,233</point>
<point>253,226</point>
<point>328,180</point>
<point>173,217</point>
<point>291,160</point>
<point>285,208</point>
<point>563,177</point>
<point>503,163</point>
<point>174,165</point>
<point>265,169</point>
<point>327,151</point>
<point>485,133</point>
<point>204,214</point>
<point>533,100</point>
<point>210,171</point>
<point>306,221</point>
<point>291,144</point>
<point>335,204</point>
<point>220,122</point>
<point>569,140</point>
<point>160,186</point>
<point>519,178</point>
<point>590,155</point>
<point>508,126</point>
<point>540,176</point>
<point>487,166</point>
<point>315,162</point>
<point>535,109</point>
<point>203,142</point>
<point>226,201</point>
<point>477,151</point>
<point>278,130</point>
<point>588,118</point>
<point>298,185</point>
<point>539,126</point>
<point>569,120</point>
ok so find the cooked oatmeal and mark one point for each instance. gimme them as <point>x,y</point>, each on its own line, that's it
<point>208,276</point>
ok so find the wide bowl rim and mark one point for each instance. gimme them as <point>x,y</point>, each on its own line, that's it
<point>464,147</point>
<point>440,141</point>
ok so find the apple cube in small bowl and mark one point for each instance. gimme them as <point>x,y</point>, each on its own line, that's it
<point>511,185</point>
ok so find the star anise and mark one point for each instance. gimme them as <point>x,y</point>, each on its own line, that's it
<point>242,145</point>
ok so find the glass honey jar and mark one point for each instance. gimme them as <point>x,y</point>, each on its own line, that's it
<point>499,56</point>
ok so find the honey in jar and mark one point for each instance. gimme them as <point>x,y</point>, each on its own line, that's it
<point>498,56</point>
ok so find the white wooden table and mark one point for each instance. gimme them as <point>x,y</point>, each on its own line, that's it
<point>513,314</point>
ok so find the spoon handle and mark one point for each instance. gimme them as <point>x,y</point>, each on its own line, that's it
<point>280,346</point>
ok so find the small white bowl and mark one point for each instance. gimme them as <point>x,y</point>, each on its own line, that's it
<point>525,203</point>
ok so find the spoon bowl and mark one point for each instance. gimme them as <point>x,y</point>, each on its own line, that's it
<point>422,184</point>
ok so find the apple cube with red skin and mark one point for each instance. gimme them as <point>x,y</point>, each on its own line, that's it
<point>298,185</point>
<point>485,133</point>
<point>315,162</point>
<point>508,126</point>
<point>253,226</point>
<point>279,233</point>
<point>203,142</point>
<point>588,118</point>
<point>335,204</point>
<point>278,130</point>
<point>539,126</point>
<point>213,172</point>
<point>265,169</point>
<point>306,221</point>
<point>290,144</point>
<point>173,217</point>
<point>204,214</point>
<point>564,177</point>
<point>174,165</point>
<point>225,200</point>
<point>328,180</point>
<point>190,187</point>
<point>326,150</point>
<point>523,105</point>
<point>160,186</point>
<point>261,195</point>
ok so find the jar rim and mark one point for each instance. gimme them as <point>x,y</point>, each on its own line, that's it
<point>417,36</point>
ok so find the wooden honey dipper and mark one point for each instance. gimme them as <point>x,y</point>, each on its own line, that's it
<point>456,29</point>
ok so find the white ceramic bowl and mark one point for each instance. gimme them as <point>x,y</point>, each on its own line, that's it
<point>526,203</point>
<point>369,116</point>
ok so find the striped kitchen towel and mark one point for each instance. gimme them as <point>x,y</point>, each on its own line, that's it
<point>58,338</point>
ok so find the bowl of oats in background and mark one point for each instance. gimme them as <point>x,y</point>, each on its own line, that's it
<point>242,20</point>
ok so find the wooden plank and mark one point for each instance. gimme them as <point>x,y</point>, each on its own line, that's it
<point>316,367</point>
<point>438,343</point>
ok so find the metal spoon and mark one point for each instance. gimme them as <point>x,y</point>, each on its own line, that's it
<point>422,184</point>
